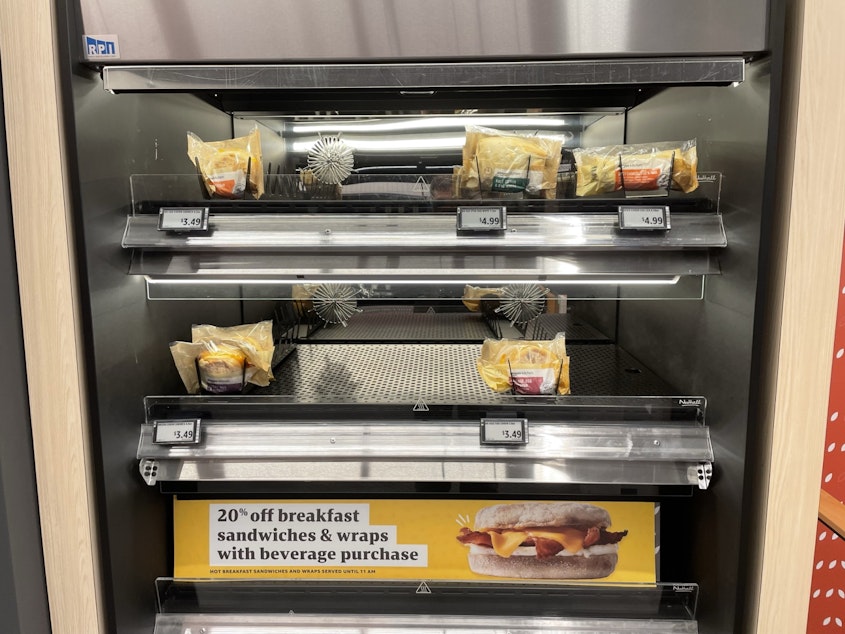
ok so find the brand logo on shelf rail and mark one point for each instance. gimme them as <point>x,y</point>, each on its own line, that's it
<point>690,402</point>
<point>101,47</point>
<point>683,588</point>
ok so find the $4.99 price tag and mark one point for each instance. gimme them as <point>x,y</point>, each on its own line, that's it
<point>492,218</point>
<point>644,218</point>
<point>176,432</point>
<point>504,431</point>
<point>183,219</point>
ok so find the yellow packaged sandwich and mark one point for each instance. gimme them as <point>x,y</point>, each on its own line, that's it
<point>229,168</point>
<point>476,298</point>
<point>255,341</point>
<point>640,167</point>
<point>510,163</point>
<point>222,360</point>
<point>525,367</point>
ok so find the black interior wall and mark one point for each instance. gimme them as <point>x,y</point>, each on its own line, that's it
<point>705,347</point>
<point>128,356</point>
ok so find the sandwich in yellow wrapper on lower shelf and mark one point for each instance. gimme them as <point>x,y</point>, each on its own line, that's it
<point>222,360</point>
<point>525,367</point>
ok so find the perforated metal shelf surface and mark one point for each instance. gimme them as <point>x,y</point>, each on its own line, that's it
<point>387,373</point>
<point>547,326</point>
<point>407,326</point>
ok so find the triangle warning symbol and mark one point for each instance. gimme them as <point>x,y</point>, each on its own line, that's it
<point>420,187</point>
<point>423,588</point>
<point>421,406</point>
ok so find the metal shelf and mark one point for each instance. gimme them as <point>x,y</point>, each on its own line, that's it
<point>259,249</point>
<point>420,233</point>
<point>297,450</point>
<point>412,412</point>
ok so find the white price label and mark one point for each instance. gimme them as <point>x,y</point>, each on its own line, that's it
<point>504,431</point>
<point>644,218</point>
<point>183,219</point>
<point>482,218</point>
<point>176,432</point>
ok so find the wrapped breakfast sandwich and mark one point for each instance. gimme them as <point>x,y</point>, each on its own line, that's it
<point>525,367</point>
<point>223,360</point>
<point>229,168</point>
<point>641,167</point>
<point>510,163</point>
<point>477,298</point>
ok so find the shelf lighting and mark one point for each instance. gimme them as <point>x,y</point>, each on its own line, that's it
<point>620,281</point>
<point>427,123</point>
<point>403,144</point>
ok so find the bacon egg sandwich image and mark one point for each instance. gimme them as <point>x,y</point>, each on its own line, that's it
<point>542,540</point>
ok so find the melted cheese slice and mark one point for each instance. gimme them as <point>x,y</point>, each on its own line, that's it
<point>506,542</point>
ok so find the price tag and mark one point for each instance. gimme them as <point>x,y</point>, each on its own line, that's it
<point>492,218</point>
<point>176,432</point>
<point>183,219</point>
<point>644,218</point>
<point>504,431</point>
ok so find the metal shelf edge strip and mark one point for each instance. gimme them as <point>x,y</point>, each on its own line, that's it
<point>378,624</point>
<point>304,233</point>
<point>668,454</point>
<point>431,441</point>
<point>602,72</point>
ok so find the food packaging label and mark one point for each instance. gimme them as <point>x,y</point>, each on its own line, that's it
<point>228,184</point>
<point>415,539</point>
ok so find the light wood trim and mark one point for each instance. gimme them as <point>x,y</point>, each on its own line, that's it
<point>832,512</point>
<point>49,307</point>
<point>802,315</point>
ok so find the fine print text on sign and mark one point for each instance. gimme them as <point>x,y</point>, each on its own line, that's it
<point>644,218</point>
<point>183,219</point>
<point>491,218</point>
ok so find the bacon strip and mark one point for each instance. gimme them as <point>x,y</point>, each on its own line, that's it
<point>467,536</point>
<point>608,537</point>
<point>546,547</point>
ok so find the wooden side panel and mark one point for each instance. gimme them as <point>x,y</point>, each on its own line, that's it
<point>802,315</point>
<point>53,344</point>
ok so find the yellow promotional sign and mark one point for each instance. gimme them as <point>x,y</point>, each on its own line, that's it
<point>415,539</point>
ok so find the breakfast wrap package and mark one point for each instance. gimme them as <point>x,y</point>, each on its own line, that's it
<point>225,165</point>
<point>525,367</point>
<point>510,163</point>
<point>640,167</point>
<point>222,360</point>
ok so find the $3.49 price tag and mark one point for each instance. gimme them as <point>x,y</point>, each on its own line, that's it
<point>504,431</point>
<point>183,219</point>
<point>176,432</point>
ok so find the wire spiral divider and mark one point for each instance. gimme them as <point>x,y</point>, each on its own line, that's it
<point>520,303</point>
<point>335,303</point>
<point>330,159</point>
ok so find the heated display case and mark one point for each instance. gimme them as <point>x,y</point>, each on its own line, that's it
<point>368,284</point>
